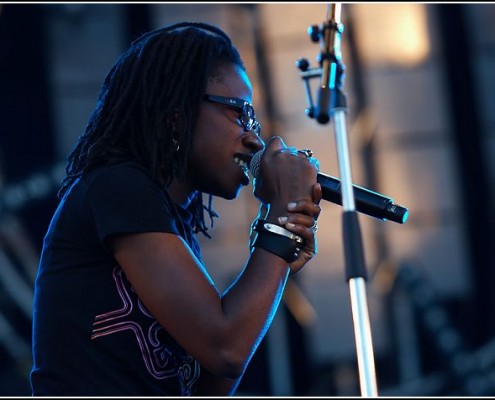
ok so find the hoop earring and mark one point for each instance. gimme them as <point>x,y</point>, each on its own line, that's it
<point>176,144</point>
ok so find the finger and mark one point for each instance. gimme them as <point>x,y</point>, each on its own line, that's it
<point>315,162</point>
<point>288,150</point>
<point>317,193</point>
<point>305,232</point>
<point>305,207</point>
<point>308,153</point>
<point>298,219</point>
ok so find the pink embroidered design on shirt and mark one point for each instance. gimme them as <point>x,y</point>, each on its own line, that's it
<point>159,360</point>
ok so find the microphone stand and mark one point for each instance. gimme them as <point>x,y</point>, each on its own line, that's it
<point>332,105</point>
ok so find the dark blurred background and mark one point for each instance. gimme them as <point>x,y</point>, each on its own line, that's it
<point>420,85</point>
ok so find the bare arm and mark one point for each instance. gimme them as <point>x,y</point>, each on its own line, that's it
<point>220,331</point>
<point>214,385</point>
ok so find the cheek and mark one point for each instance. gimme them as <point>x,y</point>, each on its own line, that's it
<point>214,142</point>
<point>208,129</point>
<point>211,137</point>
<point>201,130</point>
<point>205,157</point>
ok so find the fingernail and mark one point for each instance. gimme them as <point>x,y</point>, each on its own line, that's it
<point>290,225</point>
<point>282,220</point>
<point>292,205</point>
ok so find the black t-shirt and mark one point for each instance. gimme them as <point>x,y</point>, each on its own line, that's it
<point>91,333</point>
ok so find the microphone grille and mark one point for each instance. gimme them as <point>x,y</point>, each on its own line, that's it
<point>254,165</point>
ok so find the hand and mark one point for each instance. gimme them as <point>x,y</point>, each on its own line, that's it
<point>301,219</point>
<point>285,175</point>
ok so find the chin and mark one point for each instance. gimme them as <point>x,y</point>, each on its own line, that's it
<point>226,190</point>
<point>231,194</point>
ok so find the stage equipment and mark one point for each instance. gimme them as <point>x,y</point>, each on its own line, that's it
<point>331,105</point>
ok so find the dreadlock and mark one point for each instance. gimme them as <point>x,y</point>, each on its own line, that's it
<point>162,74</point>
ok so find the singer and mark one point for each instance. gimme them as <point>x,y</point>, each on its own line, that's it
<point>124,305</point>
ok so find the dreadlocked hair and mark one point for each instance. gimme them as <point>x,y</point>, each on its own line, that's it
<point>162,75</point>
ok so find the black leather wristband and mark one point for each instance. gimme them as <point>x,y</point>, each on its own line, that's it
<point>261,225</point>
<point>286,244</point>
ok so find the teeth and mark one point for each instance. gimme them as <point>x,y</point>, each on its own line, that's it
<point>243,164</point>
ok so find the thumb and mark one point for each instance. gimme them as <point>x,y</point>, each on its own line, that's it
<point>274,143</point>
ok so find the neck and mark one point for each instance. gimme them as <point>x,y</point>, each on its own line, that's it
<point>181,193</point>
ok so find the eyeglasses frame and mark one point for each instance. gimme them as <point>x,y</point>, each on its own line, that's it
<point>239,105</point>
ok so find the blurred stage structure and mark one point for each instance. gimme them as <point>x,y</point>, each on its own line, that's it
<point>420,85</point>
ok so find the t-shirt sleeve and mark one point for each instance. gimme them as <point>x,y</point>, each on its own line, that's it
<point>124,199</point>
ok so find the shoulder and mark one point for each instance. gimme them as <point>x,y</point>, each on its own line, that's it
<point>124,198</point>
<point>126,186</point>
<point>122,170</point>
<point>126,178</point>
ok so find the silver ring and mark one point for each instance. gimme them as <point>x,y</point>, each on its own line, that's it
<point>314,227</point>
<point>307,152</point>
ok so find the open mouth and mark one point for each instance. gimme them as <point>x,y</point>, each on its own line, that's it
<point>243,165</point>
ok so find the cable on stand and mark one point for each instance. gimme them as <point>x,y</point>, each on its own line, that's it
<point>332,105</point>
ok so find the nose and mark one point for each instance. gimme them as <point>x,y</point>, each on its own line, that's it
<point>253,141</point>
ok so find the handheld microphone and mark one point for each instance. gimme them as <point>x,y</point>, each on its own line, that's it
<point>366,201</point>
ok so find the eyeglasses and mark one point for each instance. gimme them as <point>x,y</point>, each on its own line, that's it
<point>247,116</point>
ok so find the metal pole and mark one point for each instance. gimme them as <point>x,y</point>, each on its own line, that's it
<point>332,105</point>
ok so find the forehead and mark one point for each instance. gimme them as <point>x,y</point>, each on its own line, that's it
<point>231,81</point>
